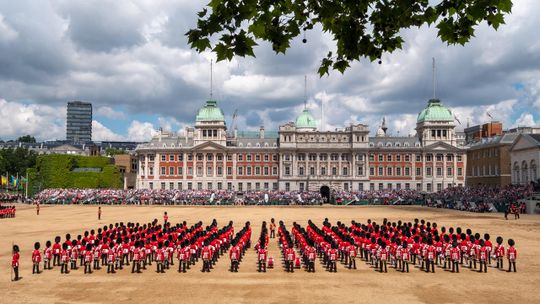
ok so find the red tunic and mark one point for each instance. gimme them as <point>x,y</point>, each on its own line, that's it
<point>512,253</point>
<point>15,260</point>
<point>36,256</point>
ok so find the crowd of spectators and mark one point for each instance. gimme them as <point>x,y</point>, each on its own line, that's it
<point>476,199</point>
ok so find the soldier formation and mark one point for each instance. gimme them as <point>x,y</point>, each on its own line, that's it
<point>399,245</point>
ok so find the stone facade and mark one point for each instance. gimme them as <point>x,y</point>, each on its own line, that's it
<point>488,161</point>
<point>299,157</point>
<point>525,157</point>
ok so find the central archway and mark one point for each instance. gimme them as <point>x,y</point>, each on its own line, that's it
<point>325,193</point>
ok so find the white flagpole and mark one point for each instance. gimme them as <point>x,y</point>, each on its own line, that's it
<point>26,186</point>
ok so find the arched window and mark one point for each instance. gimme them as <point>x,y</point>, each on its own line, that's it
<point>534,173</point>
<point>524,173</point>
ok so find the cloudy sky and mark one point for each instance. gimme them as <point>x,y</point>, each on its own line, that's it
<point>132,61</point>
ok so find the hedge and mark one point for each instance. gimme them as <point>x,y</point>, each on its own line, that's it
<point>56,171</point>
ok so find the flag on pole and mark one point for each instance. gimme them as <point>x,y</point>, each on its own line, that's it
<point>14,181</point>
<point>4,180</point>
<point>489,115</point>
<point>455,117</point>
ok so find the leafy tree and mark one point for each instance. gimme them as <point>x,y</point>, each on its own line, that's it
<point>16,161</point>
<point>27,139</point>
<point>361,28</point>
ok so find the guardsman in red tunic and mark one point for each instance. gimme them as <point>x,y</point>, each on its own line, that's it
<point>160,258</point>
<point>88,256</point>
<point>351,251</point>
<point>262,254</point>
<point>512,255</point>
<point>47,255</point>
<point>15,262</point>
<point>56,248</point>
<point>455,256</point>
<point>234,255</point>
<point>431,253</point>
<point>206,256</point>
<point>499,252</point>
<point>136,267</point>
<point>111,258</point>
<point>405,255</point>
<point>311,255</point>
<point>290,254</point>
<point>383,257</point>
<point>332,257</point>
<point>483,254</point>
<point>64,259</point>
<point>74,254</point>
<point>36,258</point>
<point>165,218</point>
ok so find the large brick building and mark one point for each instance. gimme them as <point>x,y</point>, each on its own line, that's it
<point>488,161</point>
<point>300,157</point>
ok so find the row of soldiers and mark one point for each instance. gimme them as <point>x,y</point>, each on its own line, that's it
<point>7,211</point>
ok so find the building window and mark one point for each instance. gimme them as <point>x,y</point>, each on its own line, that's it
<point>428,171</point>
<point>381,171</point>
<point>151,171</point>
<point>257,186</point>
<point>163,157</point>
<point>163,171</point>
<point>199,157</point>
<point>360,187</point>
<point>407,171</point>
<point>171,170</point>
<point>346,186</point>
<point>274,171</point>
<point>371,171</point>
<point>418,187</point>
<point>287,187</point>
<point>209,157</point>
<point>323,156</point>
<point>240,170</point>
<point>257,157</point>
<point>266,186</point>
<point>240,186</point>
<point>439,186</point>
<point>371,157</point>
<point>428,187</point>
<point>179,186</point>
<point>301,187</point>
<point>190,156</point>
<point>398,186</point>
<point>266,171</point>
<point>407,157</point>
<point>257,170</point>
<point>171,157</point>
<point>360,171</point>
<point>301,171</point>
<point>199,186</point>
<point>407,186</point>
<point>380,157</point>
<point>219,186</point>
<point>171,186</point>
<point>229,157</point>
<point>180,171</point>
<point>312,171</point>
<point>209,186</point>
<point>389,186</point>
<point>459,171</point>
<point>190,186</point>
<point>371,186</point>
<point>219,171</point>
<point>345,171</point>
<point>248,170</point>
<point>162,186</point>
<point>439,157</point>
<point>398,157</point>
<point>199,171</point>
<point>190,171</point>
<point>389,171</point>
<point>229,186</point>
<point>449,171</point>
<point>287,170</point>
<point>323,171</point>
<point>398,171</point>
<point>439,171</point>
<point>459,158</point>
<point>275,186</point>
<point>428,157</point>
<point>248,157</point>
<point>151,185</point>
<point>334,171</point>
<point>418,157</point>
<point>381,187</point>
<point>449,157</point>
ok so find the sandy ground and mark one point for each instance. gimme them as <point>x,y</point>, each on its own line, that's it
<point>275,286</point>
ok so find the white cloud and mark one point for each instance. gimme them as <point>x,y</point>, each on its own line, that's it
<point>102,133</point>
<point>110,113</point>
<point>525,120</point>
<point>140,131</point>
<point>42,121</point>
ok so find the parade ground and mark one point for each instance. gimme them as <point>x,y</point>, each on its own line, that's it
<point>362,285</point>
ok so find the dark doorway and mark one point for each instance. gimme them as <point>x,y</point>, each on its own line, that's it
<point>325,194</point>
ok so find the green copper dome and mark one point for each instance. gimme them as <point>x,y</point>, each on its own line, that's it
<point>435,111</point>
<point>210,112</point>
<point>306,120</point>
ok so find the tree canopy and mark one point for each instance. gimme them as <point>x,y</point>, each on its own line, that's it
<point>16,160</point>
<point>27,139</point>
<point>360,28</point>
